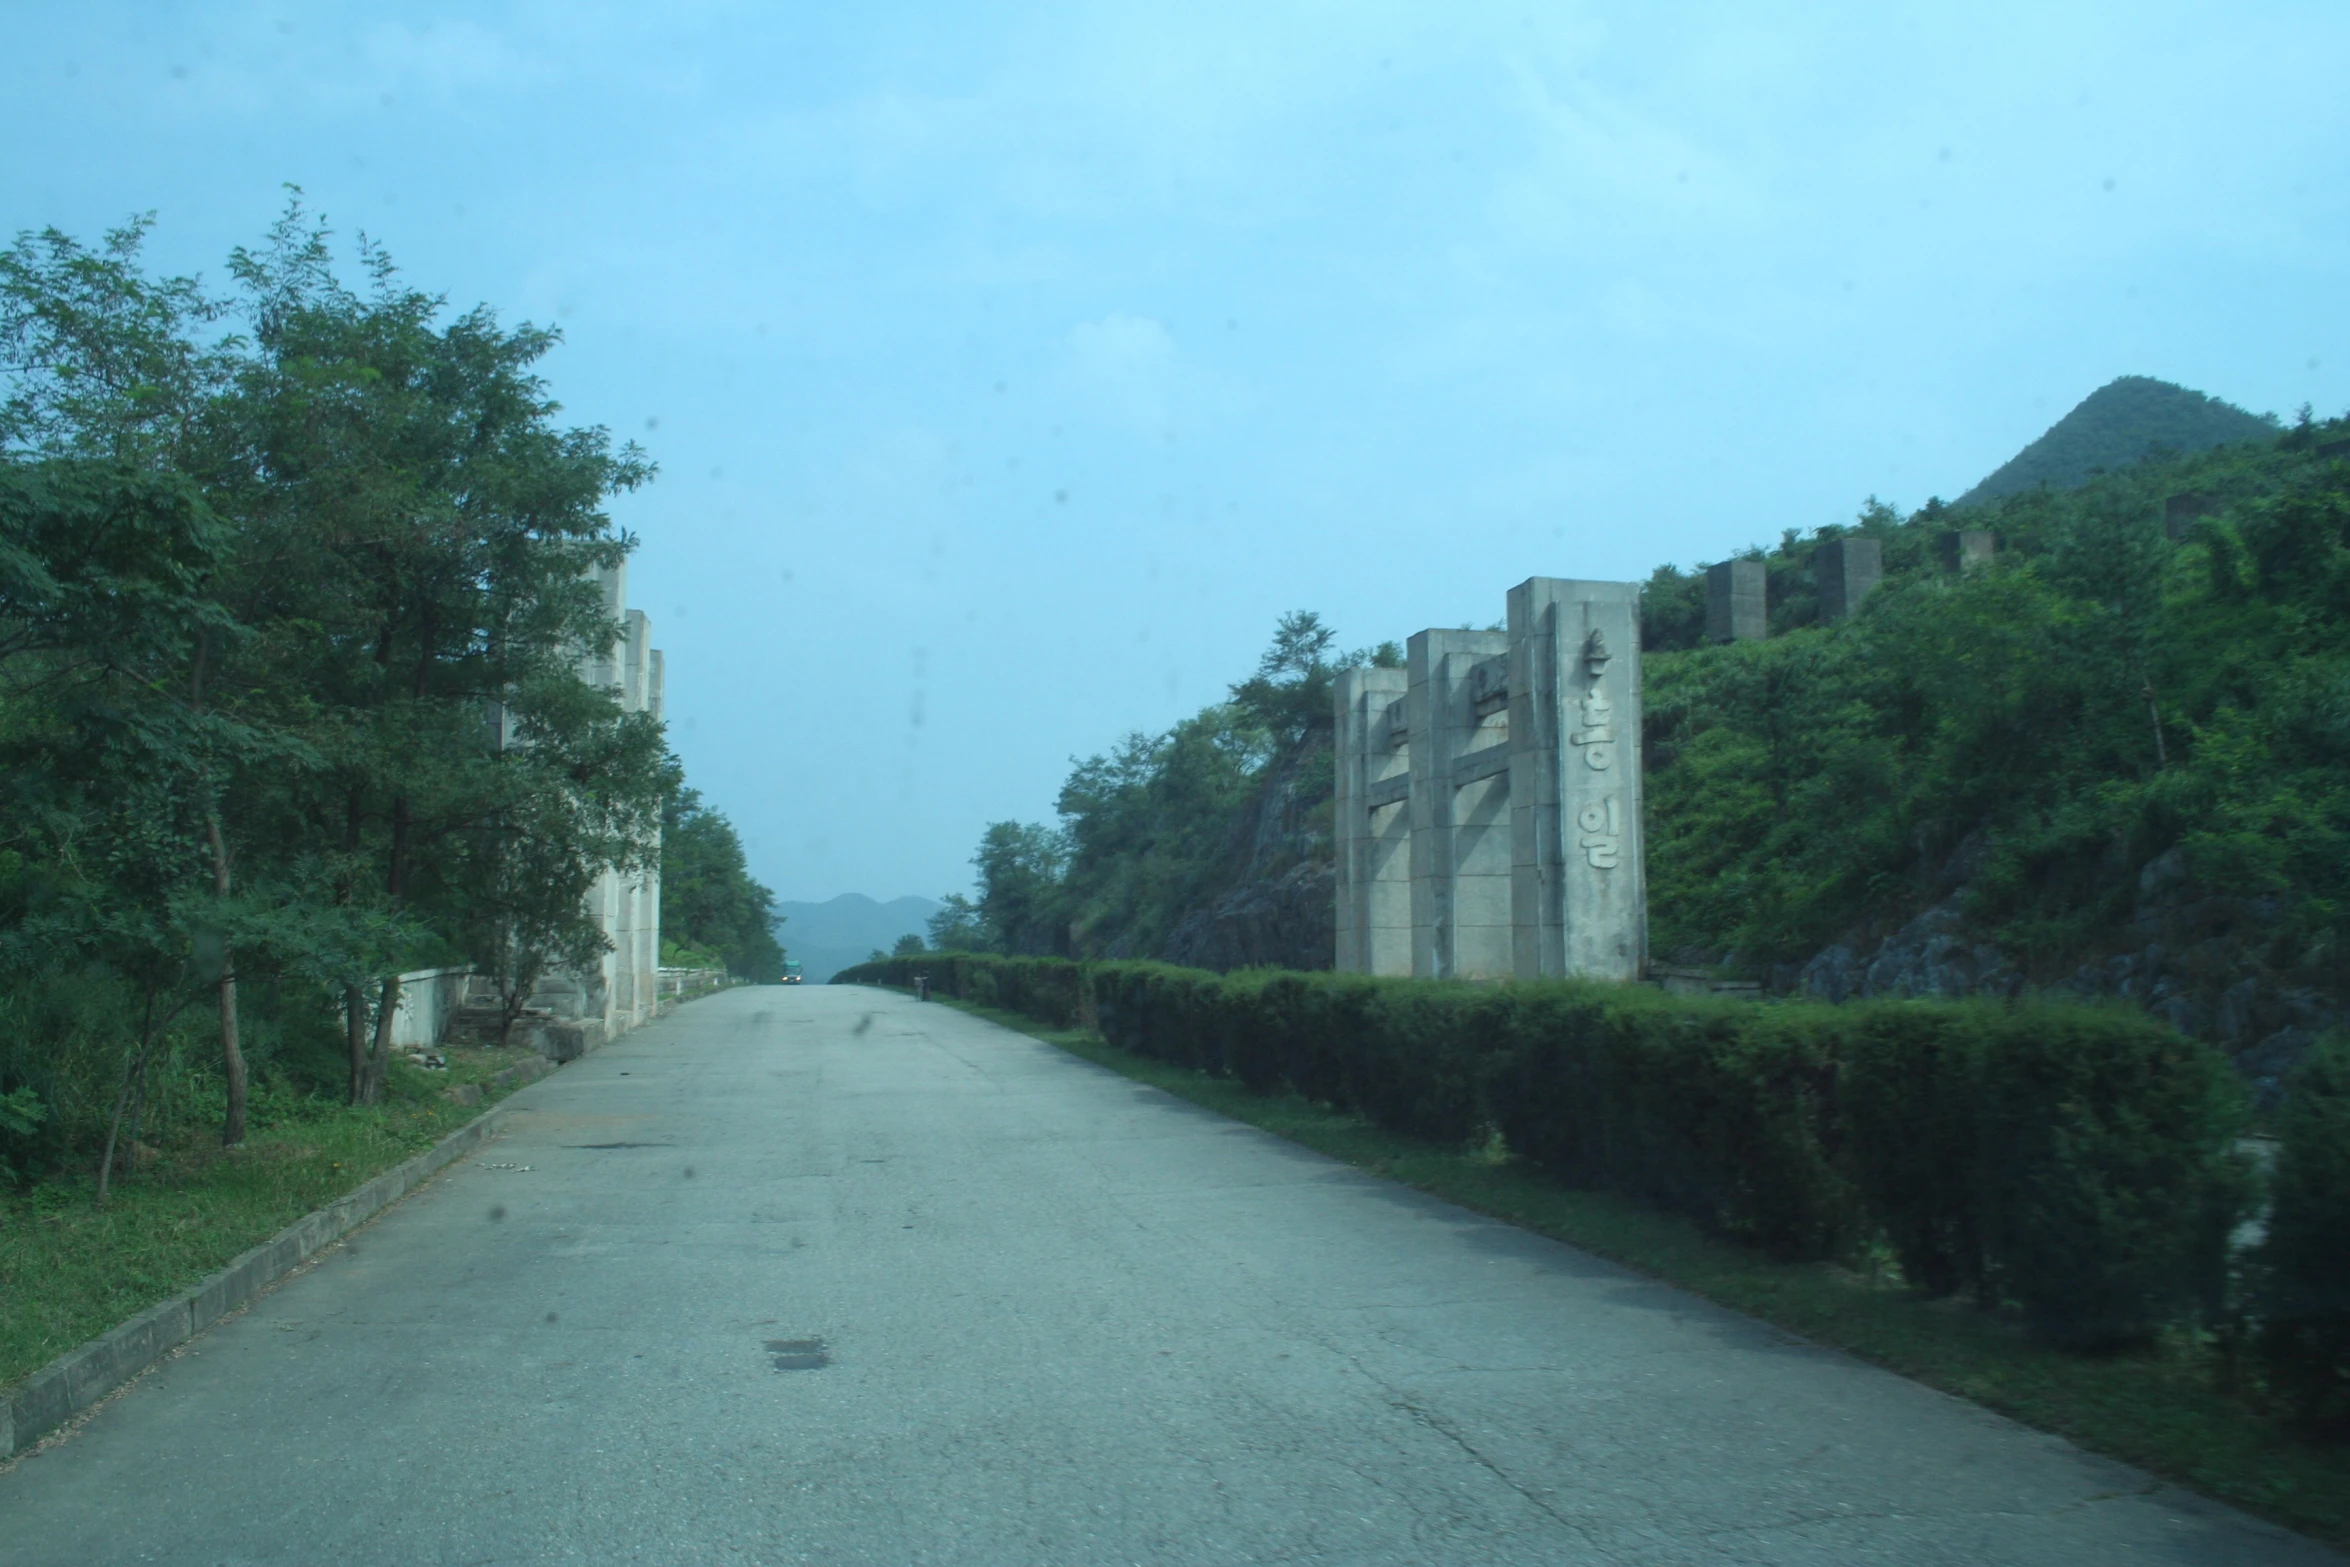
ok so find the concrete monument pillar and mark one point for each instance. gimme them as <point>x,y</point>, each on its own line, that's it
<point>1966,549</point>
<point>622,990</point>
<point>637,983</point>
<point>1848,571</point>
<point>1460,824</point>
<point>1579,895</point>
<point>656,672</point>
<point>604,668</point>
<point>1736,602</point>
<point>1373,823</point>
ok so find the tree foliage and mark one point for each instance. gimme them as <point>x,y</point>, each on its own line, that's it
<point>958,926</point>
<point>709,899</point>
<point>1158,827</point>
<point>2031,738</point>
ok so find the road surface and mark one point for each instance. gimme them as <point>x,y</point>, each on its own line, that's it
<point>823,1275</point>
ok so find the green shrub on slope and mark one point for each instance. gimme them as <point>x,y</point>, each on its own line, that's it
<point>2305,1295</point>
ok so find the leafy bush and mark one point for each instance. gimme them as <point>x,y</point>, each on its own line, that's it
<point>2107,1178</point>
<point>2305,1265</point>
<point>1720,1111</point>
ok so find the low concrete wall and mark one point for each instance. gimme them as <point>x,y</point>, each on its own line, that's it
<point>684,984</point>
<point>429,997</point>
<point>80,1378</point>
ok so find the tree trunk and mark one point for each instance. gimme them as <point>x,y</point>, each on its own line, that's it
<point>387,1011</point>
<point>133,1078</point>
<point>232,1126</point>
<point>395,883</point>
<point>355,1040</point>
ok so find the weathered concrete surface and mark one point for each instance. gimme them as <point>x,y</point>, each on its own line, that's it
<point>1372,821</point>
<point>1578,872</point>
<point>1848,571</point>
<point>1459,754</point>
<point>1737,601</point>
<point>1066,1320</point>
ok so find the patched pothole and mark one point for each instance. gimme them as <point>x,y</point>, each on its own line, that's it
<point>799,1354</point>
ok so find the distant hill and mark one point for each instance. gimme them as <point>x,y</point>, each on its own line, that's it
<point>2121,423</point>
<point>824,938</point>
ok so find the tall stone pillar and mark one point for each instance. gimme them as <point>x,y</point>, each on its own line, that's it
<point>604,668</point>
<point>1966,549</point>
<point>1460,828</point>
<point>1373,823</point>
<point>1578,890</point>
<point>656,671</point>
<point>606,898</point>
<point>638,983</point>
<point>1737,601</point>
<point>623,988</point>
<point>1848,571</point>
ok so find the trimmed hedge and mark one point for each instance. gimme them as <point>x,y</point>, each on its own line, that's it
<point>2076,1162</point>
<point>2304,1293</point>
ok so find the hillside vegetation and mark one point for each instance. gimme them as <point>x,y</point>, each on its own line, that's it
<point>2113,762</point>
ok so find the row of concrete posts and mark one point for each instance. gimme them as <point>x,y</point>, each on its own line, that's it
<point>1489,792</point>
<point>1488,803</point>
<point>623,990</point>
<point>1737,603</point>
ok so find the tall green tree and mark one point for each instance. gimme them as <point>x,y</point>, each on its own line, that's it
<point>709,899</point>
<point>422,540</point>
<point>295,626</point>
<point>1020,885</point>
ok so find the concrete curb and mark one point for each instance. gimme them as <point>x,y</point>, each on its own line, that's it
<point>80,1378</point>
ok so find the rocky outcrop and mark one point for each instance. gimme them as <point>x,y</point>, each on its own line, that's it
<point>1289,921</point>
<point>2190,957</point>
<point>1930,956</point>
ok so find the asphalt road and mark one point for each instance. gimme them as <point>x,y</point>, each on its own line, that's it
<point>823,1275</point>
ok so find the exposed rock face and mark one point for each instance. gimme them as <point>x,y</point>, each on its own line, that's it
<point>2189,957</point>
<point>1930,956</point>
<point>1290,921</point>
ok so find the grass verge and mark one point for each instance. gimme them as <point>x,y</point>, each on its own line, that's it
<point>69,1270</point>
<point>2159,1409</point>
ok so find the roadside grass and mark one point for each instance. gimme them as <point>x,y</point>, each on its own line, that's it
<point>2161,1409</point>
<point>70,1271</point>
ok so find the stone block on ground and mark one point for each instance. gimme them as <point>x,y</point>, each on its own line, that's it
<point>560,1042</point>
<point>527,1070</point>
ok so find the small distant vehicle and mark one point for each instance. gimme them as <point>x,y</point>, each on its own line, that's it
<point>791,973</point>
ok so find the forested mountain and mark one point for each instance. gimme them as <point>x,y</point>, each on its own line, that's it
<point>2114,761</point>
<point>2123,422</point>
<point>829,936</point>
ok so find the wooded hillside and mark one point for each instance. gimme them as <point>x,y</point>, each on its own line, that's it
<point>2116,761</point>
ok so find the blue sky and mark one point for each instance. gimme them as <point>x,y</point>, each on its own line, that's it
<point>1011,368</point>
